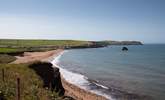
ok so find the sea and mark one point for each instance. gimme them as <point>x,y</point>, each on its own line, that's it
<point>136,74</point>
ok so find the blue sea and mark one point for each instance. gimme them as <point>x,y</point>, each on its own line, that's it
<point>136,74</point>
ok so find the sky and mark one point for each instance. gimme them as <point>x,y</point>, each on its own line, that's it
<point>141,20</point>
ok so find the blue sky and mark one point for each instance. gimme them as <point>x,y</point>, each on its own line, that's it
<point>142,20</point>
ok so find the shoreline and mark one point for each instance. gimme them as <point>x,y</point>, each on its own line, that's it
<point>70,82</point>
<point>71,89</point>
<point>76,90</point>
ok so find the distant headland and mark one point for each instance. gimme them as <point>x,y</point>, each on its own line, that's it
<point>21,45</point>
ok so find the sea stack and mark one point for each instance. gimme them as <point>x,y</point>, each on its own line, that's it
<point>124,49</point>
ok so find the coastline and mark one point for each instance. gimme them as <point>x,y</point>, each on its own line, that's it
<point>80,87</point>
<point>77,91</point>
<point>71,89</point>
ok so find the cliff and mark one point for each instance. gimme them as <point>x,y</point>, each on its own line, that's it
<point>51,77</point>
<point>55,82</point>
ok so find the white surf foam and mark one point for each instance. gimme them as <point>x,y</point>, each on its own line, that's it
<point>101,86</point>
<point>77,79</point>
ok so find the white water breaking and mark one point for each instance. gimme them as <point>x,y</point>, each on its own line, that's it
<point>78,79</point>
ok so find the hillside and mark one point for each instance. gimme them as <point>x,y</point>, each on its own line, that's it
<point>31,85</point>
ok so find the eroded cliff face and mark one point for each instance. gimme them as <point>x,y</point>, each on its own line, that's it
<point>50,76</point>
<point>52,79</point>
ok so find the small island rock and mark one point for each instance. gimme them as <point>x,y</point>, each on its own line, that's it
<point>124,49</point>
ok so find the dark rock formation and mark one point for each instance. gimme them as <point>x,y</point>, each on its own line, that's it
<point>50,76</point>
<point>124,49</point>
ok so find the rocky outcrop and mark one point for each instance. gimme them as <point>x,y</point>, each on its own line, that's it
<point>124,49</point>
<point>50,76</point>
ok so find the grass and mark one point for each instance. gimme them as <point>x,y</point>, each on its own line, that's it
<point>8,50</point>
<point>35,43</point>
<point>11,46</point>
<point>19,50</point>
<point>31,84</point>
<point>11,50</point>
<point>4,58</point>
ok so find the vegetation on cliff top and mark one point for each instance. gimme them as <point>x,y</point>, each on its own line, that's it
<point>11,46</point>
<point>31,85</point>
<point>36,43</point>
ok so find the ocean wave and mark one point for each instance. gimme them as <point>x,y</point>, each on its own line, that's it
<point>101,86</point>
<point>78,79</point>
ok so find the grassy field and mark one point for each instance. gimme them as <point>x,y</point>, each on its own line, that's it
<point>30,83</point>
<point>36,43</point>
<point>11,50</point>
<point>16,46</point>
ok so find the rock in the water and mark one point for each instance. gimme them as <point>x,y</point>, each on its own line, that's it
<point>124,49</point>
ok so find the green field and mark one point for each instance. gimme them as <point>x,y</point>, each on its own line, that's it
<point>10,50</point>
<point>36,43</point>
<point>16,46</point>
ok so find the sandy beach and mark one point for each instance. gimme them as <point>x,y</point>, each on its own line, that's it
<point>36,56</point>
<point>71,89</point>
